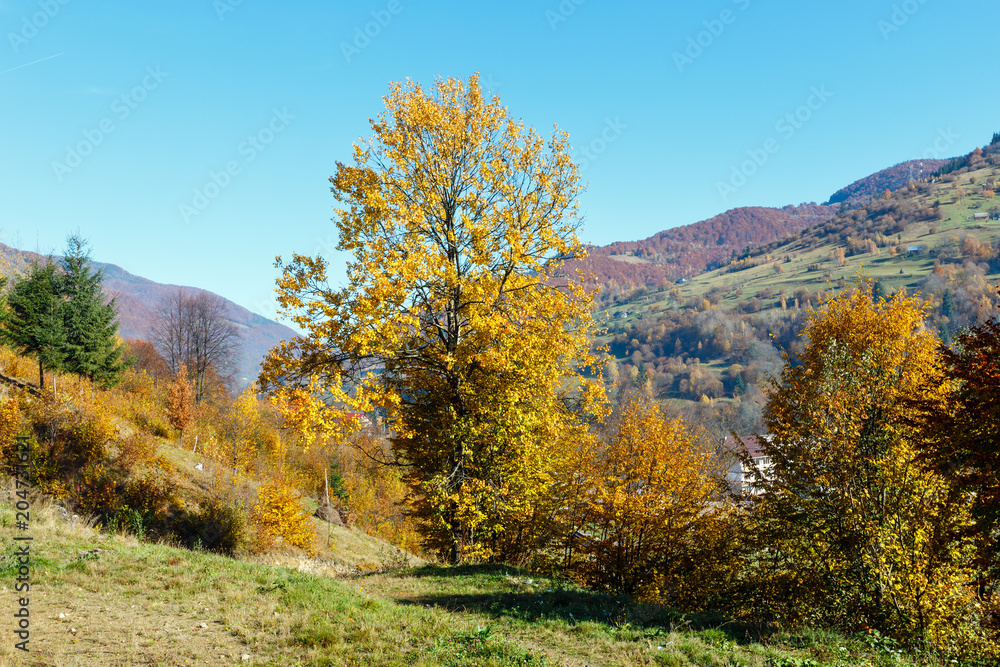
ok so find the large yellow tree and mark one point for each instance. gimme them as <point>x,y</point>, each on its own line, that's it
<point>855,531</point>
<point>453,323</point>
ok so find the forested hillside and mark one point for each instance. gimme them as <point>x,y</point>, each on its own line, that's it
<point>861,191</point>
<point>686,251</point>
<point>718,336</point>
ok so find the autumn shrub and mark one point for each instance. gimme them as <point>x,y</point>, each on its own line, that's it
<point>17,366</point>
<point>80,455</point>
<point>219,526</point>
<point>11,425</point>
<point>154,426</point>
<point>853,531</point>
<point>107,490</point>
<point>655,524</point>
<point>180,400</point>
<point>279,514</point>
<point>55,432</point>
<point>87,440</point>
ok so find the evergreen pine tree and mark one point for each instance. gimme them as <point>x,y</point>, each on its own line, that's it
<point>33,320</point>
<point>91,346</point>
<point>948,304</point>
<point>878,292</point>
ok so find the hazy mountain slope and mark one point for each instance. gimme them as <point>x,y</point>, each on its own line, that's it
<point>893,178</point>
<point>138,298</point>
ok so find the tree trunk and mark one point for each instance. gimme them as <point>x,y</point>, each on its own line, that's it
<point>456,546</point>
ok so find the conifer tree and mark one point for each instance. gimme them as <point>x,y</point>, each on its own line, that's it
<point>91,345</point>
<point>33,320</point>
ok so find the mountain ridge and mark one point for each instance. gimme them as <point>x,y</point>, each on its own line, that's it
<point>892,178</point>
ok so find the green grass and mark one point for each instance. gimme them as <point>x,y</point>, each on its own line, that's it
<point>134,603</point>
<point>957,221</point>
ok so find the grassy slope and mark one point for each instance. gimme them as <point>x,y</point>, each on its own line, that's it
<point>134,603</point>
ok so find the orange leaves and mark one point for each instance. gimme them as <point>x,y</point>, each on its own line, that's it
<point>847,503</point>
<point>180,400</point>
<point>308,416</point>
<point>650,490</point>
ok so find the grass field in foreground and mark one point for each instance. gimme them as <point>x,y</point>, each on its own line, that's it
<point>109,600</point>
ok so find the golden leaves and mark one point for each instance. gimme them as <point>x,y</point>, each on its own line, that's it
<point>457,217</point>
<point>848,504</point>
<point>650,491</point>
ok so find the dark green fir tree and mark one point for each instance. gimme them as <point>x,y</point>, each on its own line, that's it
<point>33,319</point>
<point>91,346</point>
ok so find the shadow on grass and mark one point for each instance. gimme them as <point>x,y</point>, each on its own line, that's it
<point>552,600</point>
<point>467,570</point>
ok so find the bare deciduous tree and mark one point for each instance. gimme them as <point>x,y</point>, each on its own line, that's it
<point>192,330</point>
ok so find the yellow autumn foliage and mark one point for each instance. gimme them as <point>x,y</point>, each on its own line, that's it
<point>454,324</point>
<point>279,513</point>
<point>655,521</point>
<point>853,530</point>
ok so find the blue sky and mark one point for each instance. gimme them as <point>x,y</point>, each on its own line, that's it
<point>191,142</point>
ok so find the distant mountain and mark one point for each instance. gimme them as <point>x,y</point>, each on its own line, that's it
<point>686,251</point>
<point>861,191</point>
<point>138,298</point>
<point>682,252</point>
<point>719,334</point>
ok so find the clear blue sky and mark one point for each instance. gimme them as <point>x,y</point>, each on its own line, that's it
<point>114,114</point>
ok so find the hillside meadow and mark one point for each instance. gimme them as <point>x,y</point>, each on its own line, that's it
<point>923,238</point>
<point>114,599</point>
